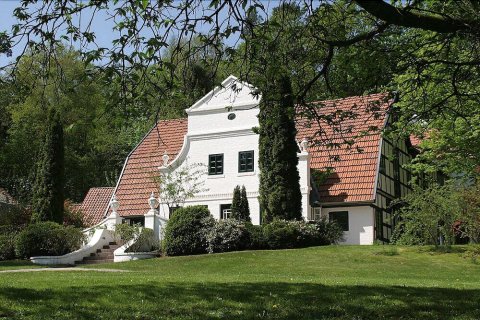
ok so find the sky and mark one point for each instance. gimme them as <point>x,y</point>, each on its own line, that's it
<point>101,26</point>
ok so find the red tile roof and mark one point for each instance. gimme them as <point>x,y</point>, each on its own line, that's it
<point>137,179</point>
<point>353,177</point>
<point>358,120</point>
<point>94,205</point>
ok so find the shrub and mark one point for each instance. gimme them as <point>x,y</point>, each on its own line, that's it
<point>257,239</point>
<point>7,245</point>
<point>47,238</point>
<point>327,232</point>
<point>145,238</point>
<point>281,234</point>
<point>227,235</point>
<point>186,230</point>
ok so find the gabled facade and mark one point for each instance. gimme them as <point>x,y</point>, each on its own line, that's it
<point>351,183</point>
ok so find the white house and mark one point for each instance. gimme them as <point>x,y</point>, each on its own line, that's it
<point>352,185</point>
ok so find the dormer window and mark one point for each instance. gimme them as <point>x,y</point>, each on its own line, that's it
<point>215,164</point>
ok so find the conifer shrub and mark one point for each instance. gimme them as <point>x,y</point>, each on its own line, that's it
<point>186,231</point>
<point>227,235</point>
<point>47,239</point>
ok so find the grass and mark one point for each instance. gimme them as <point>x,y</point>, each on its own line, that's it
<point>17,264</point>
<point>335,282</point>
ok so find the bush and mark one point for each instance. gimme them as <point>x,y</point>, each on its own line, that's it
<point>227,235</point>
<point>281,234</point>
<point>257,239</point>
<point>186,231</point>
<point>145,238</point>
<point>327,232</point>
<point>7,246</point>
<point>47,238</point>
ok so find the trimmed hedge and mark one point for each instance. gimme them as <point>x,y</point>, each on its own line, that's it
<point>47,239</point>
<point>186,231</point>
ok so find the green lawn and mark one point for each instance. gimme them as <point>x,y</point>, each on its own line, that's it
<point>336,282</point>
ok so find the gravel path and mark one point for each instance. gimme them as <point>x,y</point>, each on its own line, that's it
<point>63,269</point>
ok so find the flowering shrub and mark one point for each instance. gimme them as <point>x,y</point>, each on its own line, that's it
<point>227,235</point>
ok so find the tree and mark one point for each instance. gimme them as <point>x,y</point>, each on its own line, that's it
<point>236,203</point>
<point>428,216</point>
<point>48,197</point>
<point>279,189</point>
<point>240,207</point>
<point>244,207</point>
<point>178,184</point>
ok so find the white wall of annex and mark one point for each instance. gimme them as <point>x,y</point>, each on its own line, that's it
<point>361,220</point>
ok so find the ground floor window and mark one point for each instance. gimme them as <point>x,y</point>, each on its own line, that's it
<point>341,218</point>
<point>225,211</point>
<point>316,213</point>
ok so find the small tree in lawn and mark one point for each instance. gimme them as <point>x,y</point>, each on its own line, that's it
<point>236,204</point>
<point>178,184</point>
<point>48,194</point>
<point>244,207</point>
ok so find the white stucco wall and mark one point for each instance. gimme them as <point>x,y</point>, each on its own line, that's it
<point>211,132</point>
<point>361,221</point>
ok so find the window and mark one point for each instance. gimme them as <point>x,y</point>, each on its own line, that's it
<point>317,213</point>
<point>215,164</point>
<point>245,161</point>
<point>225,211</point>
<point>135,220</point>
<point>341,218</point>
<point>383,166</point>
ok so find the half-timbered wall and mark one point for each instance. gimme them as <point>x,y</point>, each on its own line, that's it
<point>392,183</point>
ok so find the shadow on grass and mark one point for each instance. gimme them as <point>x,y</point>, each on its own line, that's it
<point>15,263</point>
<point>239,301</point>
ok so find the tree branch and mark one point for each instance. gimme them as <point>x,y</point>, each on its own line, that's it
<point>406,18</point>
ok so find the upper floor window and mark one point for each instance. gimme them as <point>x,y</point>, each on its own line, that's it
<point>215,164</point>
<point>245,161</point>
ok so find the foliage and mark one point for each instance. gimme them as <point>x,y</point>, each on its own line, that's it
<point>240,207</point>
<point>227,235</point>
<point>327,232</point>
<point>13,215</point>
<point>236,203</point>
<point>175,185</point>
<point>185,232</point>
<point>72,215</point>
<point>7,245</point>
<point>49,239</point>
<point>48,193</point>
<point>469,205</point>
<point>257,238</point>
<point>244,212</point>
<point>281,234</point>
<point>428,217</point>
<point>144,237</point>
<point>279,189</point>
